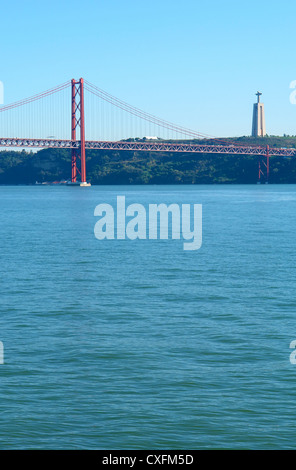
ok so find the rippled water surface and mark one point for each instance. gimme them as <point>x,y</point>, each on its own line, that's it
<point>139,344</point>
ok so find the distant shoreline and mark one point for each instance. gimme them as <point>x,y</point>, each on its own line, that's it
<point>110,167</point>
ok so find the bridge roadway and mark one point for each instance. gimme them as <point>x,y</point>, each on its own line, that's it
<point>148,146</point>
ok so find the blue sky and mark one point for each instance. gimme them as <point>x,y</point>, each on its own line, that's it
<point>198,64</point>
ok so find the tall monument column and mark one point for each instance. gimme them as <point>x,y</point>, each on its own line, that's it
<point>258,127</point>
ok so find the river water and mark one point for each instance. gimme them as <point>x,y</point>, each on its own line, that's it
<point>139,344</point>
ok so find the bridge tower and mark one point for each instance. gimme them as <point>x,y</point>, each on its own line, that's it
<point>78,123</point>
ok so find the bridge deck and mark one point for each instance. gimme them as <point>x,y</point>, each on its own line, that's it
<point>147,147</point>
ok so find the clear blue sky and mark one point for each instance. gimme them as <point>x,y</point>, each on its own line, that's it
<point>196,63</point>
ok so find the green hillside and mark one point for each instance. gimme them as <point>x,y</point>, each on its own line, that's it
<point>110,167</point>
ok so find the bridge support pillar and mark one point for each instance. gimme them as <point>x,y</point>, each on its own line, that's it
<point>263,176</point>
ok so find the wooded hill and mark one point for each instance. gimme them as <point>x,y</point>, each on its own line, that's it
<point>111,167</point>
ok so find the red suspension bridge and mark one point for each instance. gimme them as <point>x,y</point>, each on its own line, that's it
<point>44,121</point>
